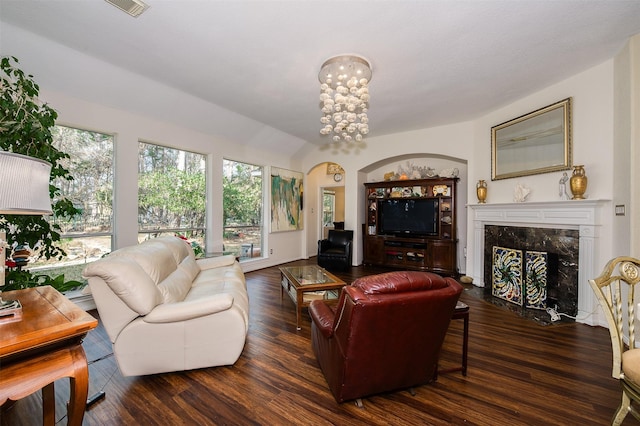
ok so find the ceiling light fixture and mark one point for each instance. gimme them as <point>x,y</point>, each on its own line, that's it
<point>132,7</point>
<point>344,97</point>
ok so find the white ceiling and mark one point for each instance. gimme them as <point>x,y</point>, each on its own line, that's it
<point>434,62</point>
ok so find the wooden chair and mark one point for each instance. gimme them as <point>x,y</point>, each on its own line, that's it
<point>618,282</point>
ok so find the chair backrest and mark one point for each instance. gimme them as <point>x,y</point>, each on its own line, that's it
<point>391,327</point>
<point>617,283</point>
<point>340,237</point>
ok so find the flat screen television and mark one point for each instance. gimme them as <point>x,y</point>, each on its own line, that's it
<point>408,217</point>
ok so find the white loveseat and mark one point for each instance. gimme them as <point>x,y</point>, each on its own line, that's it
<point>166,311</point>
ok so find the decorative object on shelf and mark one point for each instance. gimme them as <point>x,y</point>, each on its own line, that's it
<point>333,168</point>
<point>578,183</point>
<point>389,176</point>
<point>441,190</point>
<point>344,94</point>
<point>520,193</point>
<point>446,219</point>
<point>562,187</point>
<point>534,143</point>
<point>24,190</point>
<point>449,173</point>
<point>481,191</point>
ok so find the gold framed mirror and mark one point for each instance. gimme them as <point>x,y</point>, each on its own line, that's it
<point>534,143</point>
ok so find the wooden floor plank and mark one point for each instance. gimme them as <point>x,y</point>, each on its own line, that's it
<point>520,373</point>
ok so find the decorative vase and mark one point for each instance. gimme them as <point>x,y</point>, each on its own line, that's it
<point>481,191</point>
<point>578,183</point>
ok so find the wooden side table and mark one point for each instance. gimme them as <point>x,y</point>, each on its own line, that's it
<point>44,346</point>
<point>461,312</point>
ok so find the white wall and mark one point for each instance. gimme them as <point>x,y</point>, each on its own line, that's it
<point>634,141</point>
<point>623,184</point>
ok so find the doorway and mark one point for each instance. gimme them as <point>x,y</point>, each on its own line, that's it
<point>332,216</point>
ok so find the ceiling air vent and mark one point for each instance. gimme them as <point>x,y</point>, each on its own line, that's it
<point>132,7</point>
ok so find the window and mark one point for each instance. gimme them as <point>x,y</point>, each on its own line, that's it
<point>328,207</point>
<point>242,203</point>
<point>171,194</point>
<point>86,237</point>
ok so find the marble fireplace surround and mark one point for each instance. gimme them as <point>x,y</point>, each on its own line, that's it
<point>583,215</point>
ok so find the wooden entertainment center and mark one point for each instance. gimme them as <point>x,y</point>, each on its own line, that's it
<point>428,246</point>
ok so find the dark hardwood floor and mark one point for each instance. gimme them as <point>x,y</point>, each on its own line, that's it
<point>520,373</point>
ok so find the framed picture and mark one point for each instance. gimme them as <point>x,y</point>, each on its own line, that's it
<point>538,142</point>
<point>286,200</point>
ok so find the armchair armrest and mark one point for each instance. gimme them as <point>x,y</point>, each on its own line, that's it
<point>183,311</point>
<point>322,316</point>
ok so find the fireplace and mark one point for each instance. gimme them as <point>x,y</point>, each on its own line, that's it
<point>557,228</point>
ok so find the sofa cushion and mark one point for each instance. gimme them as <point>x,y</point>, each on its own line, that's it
<point>190,266</point>
<point>175,287</point>
<point>180,248</point>
<point>153,258</point>
<point>128,281</point>
<point>631,365</point>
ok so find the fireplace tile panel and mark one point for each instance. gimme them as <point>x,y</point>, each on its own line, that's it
<point>562,248</point>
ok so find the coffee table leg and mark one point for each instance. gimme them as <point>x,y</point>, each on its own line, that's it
<point>300,299</point>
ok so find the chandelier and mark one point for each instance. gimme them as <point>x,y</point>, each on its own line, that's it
<point>344,97</point>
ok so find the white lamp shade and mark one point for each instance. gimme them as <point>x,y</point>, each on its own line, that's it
<point>24,185</point>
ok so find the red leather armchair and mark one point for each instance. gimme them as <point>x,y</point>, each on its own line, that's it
<point>384,334</point>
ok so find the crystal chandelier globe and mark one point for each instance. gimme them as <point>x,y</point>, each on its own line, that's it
<point>344,97</point>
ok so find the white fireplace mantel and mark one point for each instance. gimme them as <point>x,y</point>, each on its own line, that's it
<point>583,215</point>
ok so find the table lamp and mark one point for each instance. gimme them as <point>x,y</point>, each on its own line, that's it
<point>24,190</point>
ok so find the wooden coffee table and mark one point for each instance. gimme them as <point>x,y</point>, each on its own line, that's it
<point>43,346</point>
<point>306,283</point>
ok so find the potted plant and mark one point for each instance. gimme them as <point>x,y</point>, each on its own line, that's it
<point>25,128</point>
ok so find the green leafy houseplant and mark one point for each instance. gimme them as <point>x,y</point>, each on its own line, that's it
<point>25,128</point>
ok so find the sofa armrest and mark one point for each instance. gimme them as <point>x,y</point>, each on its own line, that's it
<point>183,311</point>
<point>215,262</point>
<point>322,316</point>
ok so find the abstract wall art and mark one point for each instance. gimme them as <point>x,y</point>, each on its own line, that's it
<point>286,200</point>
